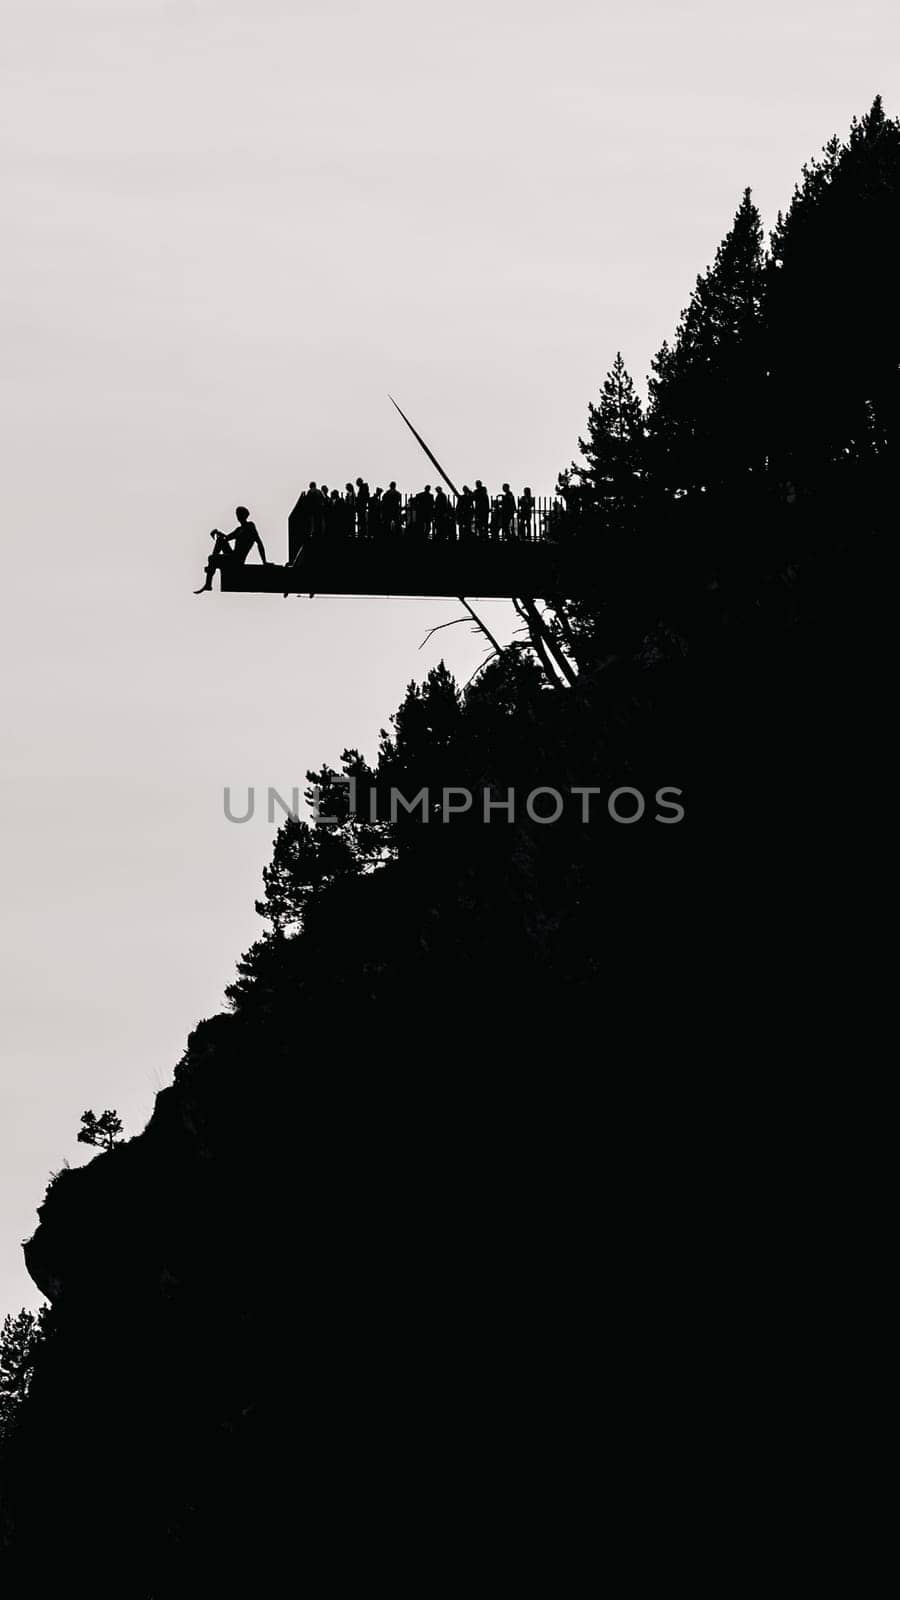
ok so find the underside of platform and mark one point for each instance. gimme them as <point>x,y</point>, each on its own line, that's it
<point>486,569</point>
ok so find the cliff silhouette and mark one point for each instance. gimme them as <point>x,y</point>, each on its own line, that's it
<point>356,1239</point>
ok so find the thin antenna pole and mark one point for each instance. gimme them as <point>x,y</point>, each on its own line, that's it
<point>433,459</point>
<point>452,486</point>
<point>534,617</point>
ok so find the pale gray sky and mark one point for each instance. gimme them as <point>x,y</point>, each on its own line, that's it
<point>229,228</point>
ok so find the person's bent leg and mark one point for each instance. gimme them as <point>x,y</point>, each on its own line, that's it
<point>209,569</point>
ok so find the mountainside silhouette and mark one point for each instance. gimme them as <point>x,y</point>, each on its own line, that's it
<point>358,1238</point>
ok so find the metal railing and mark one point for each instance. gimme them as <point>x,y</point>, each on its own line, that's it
<point>412,517</point>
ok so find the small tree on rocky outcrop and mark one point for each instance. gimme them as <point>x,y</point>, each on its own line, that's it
<point>103,1131</point>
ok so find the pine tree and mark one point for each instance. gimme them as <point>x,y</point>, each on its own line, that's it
<point>305,860</point>
<point>421,752</point>
<point>833,314</point>
<point>613,450</point>
<point>427,720</point>
<point>20,1338</point>
<point>707,390</point>
<point>342,842</point>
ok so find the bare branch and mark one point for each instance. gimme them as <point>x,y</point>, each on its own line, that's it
<point>440,626</point>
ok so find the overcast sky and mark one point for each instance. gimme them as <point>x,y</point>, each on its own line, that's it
<point>229,228</point>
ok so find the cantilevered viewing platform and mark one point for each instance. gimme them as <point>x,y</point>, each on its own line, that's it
<point>426,544</point>
<point>338,550</point>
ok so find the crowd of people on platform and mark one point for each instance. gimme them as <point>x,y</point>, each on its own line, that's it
<point>430,515</point>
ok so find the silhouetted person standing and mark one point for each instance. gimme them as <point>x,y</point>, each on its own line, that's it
<point>426,512</point>
<point>465,507</point>
<point>526,513</point>
<point>349,528</point>
<point>572,498</point>
<point>315,510</point>
<point>362,508</point>
<point>393,506</point>
<point>481,506</point>
<point>376,514</point>
<point>242,540</point>
<point>507,512</point>
<point>443,515</point>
